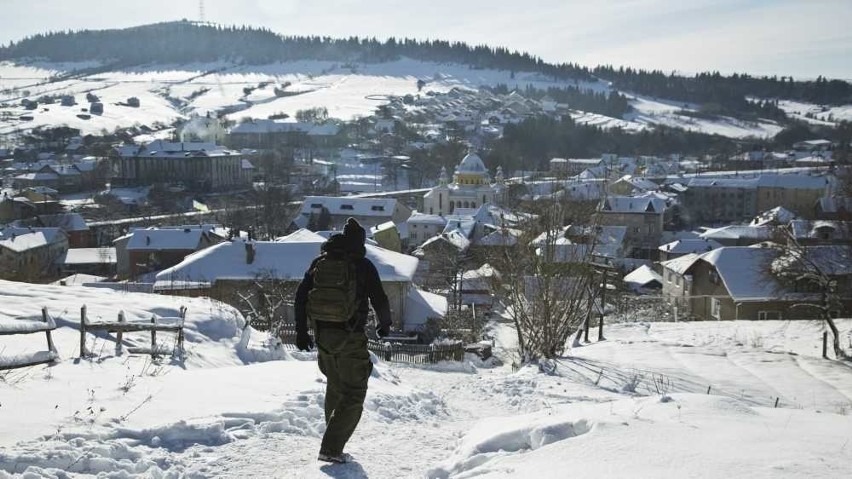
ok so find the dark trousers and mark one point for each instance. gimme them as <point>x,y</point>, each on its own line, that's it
<point>345,362</point>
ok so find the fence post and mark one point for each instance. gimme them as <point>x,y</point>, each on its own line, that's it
<point>119,335</point>
<point>83,331</point>
<point>44,317</point>
<point>154,337</point>
<point>603,307</point>
<point>180,331</point>
<point>825,344</point>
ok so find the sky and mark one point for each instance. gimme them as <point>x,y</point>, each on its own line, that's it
<point>802,38</point>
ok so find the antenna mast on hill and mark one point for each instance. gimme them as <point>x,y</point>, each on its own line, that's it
<point>201,11</point>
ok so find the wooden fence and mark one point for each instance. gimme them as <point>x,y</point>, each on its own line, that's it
<point>171,325</point>
<point>416,353</point>
<point>46,325</point>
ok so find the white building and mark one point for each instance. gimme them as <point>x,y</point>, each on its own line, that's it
<point>471,188</point>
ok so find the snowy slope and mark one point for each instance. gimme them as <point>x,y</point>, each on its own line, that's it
<point>634,405</point>
<point>347,91</point>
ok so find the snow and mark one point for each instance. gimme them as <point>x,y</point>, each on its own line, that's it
<point>348,91</point>
<point>422,305</point>
<point>285,259</point>
<point>633,405</point>
<point>88,256</point>
<point>641,276</point>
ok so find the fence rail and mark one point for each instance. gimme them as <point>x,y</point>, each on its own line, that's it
<point>47,325</point>
<point>173,325</point>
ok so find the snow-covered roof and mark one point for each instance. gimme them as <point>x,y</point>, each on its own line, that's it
<point>424,218</point>
<point>629,204</point>
<point>681,264</point>
<point>777,215</point>
<point>744,271</point>
<point>721,182</point>
<point>165,149</point>
<point>638,183</point>
<point>350,206</point>
<point>813,229</point>
<point>471,163</point>
<point>420,306</point>
<point>738,232</point>
<point>286,259</point>
<point>696,245</point>
<point>21,239</point>
<point>88,256</point>
<point>66,221</point>
<point>642,276</point>
<point>793,181</point>
<point>501,237</point>
<point>186,239</point>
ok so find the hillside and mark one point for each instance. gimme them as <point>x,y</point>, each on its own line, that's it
<point>701,399</point>
<point>190,68</point>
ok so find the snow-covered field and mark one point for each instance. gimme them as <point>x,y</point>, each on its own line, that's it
<point>347,91</point>
<point>634,405</point>
<point>820,115</point>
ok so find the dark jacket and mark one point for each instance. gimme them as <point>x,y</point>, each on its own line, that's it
<point>367,278</point>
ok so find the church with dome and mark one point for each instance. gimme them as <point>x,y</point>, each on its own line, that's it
<point>471,188</point>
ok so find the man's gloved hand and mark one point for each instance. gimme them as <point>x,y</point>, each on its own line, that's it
<point>382,331</point>
<point>304,342</point>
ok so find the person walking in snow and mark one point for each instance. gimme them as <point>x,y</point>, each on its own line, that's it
<point>333,296</point>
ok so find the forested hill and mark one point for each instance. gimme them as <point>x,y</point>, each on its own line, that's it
<point>185,42</point>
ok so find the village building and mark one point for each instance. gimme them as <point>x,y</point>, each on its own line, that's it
<point>471,188</point>
<point>199,166</point>
<point>320,213</point>
<point>686,246</point>
<point>228,269</point>
<point>423,226</point>
<point>31,254</point>
<point>152,249</point>
<point>93,261</point>
<point>732,283</point>
<point>644,217</point>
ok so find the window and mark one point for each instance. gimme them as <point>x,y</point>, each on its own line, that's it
<point>716,308</point>
<point>377,208</point>
<point>316,205</point>
<point>677,280</point>
<point>347,207</point>
<point>764,315</point>
<point>714,276</point>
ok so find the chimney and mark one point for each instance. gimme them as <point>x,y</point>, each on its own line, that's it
<point>249,253</point>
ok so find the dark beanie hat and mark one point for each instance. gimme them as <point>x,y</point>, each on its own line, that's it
<point>354,232</point>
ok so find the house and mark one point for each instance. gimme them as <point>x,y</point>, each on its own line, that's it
<point>677,284</point>
<point>200,166</point>
<point>152,249</point>
<point>735,283</point>
<point>227,269</point>
<point>74,226</point>
<point>331,212</point>
<point>477,286</point>
<point>629,185</point>
<point>16,208</point>
<point>807,232</point>
<point>387,236</point>
<point>643,279</point>
<point>423,226</point>
<point>441,259</point>
<point>719,200</point>
<point>94,261</point>
<point>686,246</point>
<point>31,254</point>
<point>644,217</point>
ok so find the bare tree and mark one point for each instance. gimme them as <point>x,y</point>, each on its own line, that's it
<point>817,278</point>
<point>546,284</point>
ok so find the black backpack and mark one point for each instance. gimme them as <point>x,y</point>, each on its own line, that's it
<point>334,296</point>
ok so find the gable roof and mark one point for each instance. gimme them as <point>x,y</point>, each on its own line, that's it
<point>21,239</point>
<point>743,270</point>
<point>631,204</point>
<point>681,264</point>
<point>285,259</point>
